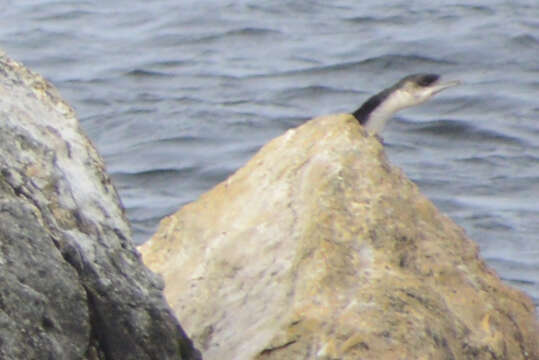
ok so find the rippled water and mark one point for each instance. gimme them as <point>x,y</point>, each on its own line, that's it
<point>177,95</point>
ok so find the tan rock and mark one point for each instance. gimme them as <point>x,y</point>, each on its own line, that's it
<point>319,249</point>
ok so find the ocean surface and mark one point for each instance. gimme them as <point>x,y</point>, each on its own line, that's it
<point>177,95</point>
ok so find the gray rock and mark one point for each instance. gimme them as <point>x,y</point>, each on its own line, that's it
<point>72,285</point>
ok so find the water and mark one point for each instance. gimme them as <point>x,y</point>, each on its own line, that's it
<point>177,95</point>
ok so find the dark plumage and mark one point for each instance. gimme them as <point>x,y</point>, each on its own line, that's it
<point>409,91</point>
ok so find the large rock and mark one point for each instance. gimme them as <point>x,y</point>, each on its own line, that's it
<point>72,285</point>
<point>319,249</point>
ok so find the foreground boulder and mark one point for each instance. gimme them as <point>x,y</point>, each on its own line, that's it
<point>72,285</point>
<point>319,249</point>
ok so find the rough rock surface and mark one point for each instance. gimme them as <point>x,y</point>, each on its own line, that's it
<point>72,285</point>
<point>319,249</point>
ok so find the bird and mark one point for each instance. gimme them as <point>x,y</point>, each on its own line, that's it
<point>412,90</point>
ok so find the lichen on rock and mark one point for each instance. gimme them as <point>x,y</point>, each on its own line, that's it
<point>318,248</point>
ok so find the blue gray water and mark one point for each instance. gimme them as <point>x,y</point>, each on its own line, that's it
<point>177,95</point>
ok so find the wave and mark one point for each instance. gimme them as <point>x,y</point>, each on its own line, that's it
<point>152,172</point>
<point>368,65</point>
<point>456,129</point>
<point>142,73</point>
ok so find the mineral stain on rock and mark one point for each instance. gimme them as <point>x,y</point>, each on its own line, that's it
<point>318,248</point>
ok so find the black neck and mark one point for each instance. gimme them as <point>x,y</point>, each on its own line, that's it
<point>362,114</point>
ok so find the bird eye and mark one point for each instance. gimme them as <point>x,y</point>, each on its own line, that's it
<point>427,80</point>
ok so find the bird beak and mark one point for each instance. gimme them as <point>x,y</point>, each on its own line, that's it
<point>439,86</point>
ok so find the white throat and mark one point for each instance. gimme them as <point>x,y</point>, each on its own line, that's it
<point>396,101</point>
